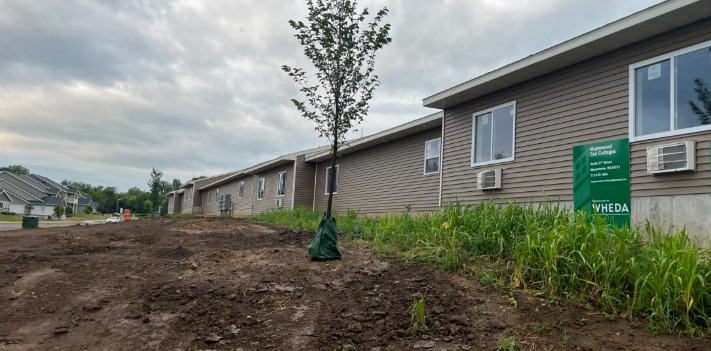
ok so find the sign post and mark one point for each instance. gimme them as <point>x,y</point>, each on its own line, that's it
<point>601,180</point>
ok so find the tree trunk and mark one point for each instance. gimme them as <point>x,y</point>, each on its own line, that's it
<point>333,161</point>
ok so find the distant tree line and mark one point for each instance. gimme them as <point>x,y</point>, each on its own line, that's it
<point>135,199</point>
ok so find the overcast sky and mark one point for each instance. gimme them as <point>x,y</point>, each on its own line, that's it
<point>101,91</point>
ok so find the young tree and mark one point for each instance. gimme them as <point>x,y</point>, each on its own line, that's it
<point>155,186</point>
<point>59,210</point>
<point>343,54</point>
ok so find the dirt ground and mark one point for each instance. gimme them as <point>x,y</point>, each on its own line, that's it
<point>182,284</point>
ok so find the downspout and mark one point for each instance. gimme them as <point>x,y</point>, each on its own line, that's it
<point>313,207</point>
<point>251,208</point>
<point>441,162</point>
<point>293,184</point>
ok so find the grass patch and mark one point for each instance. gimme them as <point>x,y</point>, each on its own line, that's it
<point>87,217</point>
<point>481,311</point>
<point>73,217</point>
<point>304,218</point>
<point>642,272</point>
<point>509,343</point>
<point>419,317</point>
<point>14,218</point>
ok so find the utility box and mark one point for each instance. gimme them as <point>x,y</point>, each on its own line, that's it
<point>30,222</point>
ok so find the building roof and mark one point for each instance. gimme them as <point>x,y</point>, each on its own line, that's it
<point>234,176</point>
<point>29,181</point>
<point>403,130</point>
<point>18,192</point>
<point>263,166</point>
<point>4,194</point>
<point>192,183</point>
<point>641,25</point>
<point>85,200</point>
<point>52,201</point>
<point>51,184</point>
<point>281,160</point>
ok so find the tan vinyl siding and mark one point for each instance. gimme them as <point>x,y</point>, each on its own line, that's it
<point>213,208</point>
<point>171,204</point>
<point>270,188</point>
<point>188,196</point>
<point>384,178</point>
<point>198,198</point>
<point>178,205</point>
<point>243,206</point>
<point>583,103</point>
<point>304,185</point>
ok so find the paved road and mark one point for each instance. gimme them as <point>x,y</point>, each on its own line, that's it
<point>4,226</point>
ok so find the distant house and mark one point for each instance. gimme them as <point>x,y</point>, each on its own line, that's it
<point>85,201</point>
<point>37,195</point>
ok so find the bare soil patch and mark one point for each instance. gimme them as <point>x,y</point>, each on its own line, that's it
<point>181,284</point>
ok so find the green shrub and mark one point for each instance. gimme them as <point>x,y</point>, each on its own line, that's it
<point>663,278</point>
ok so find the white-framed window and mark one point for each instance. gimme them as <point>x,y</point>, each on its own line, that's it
<point>670,94</point>
<point>494,135</point>
<point>209,194</point>
<point>260,189</point>
<point>281,184</point>
<point>240,189</point>
<point>2,204</point>
<point>328,180</point>
<point>432,155</point>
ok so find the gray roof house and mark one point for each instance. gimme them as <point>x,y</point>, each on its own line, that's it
<point>36,193</point>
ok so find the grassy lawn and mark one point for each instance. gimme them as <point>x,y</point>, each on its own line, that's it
<point>14,218</point>
<point>74,217</point>
<point>87,217</point>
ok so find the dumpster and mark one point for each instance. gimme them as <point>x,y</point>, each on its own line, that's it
<point>30,222</point>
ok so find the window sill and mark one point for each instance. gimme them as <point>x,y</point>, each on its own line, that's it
<point>674,133</point>
<point>480,164</point>
<point>431,173</point>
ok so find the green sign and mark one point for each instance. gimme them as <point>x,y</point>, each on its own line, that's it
<point>601,179</point>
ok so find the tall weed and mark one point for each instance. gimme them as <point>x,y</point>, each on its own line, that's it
<point>642,272</point>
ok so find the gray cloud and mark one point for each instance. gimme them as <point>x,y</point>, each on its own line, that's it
<point>101,91</point>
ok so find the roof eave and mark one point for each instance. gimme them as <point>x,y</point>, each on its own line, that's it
<point>401,131</point>
<point>638,26</point>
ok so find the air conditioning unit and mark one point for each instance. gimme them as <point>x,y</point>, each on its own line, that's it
<point>490,179</point>
<point>280,202</point>
<point>675,157</point>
